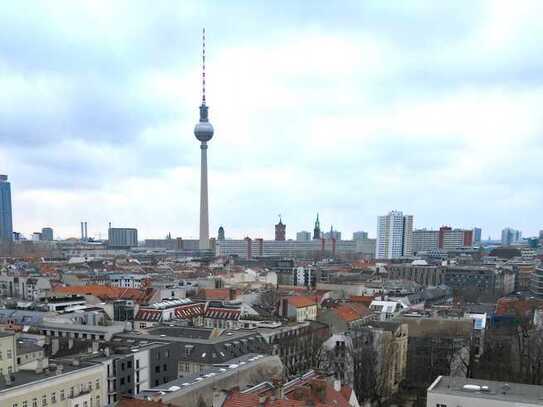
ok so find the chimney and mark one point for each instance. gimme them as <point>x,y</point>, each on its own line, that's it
<point>279,389</point>
<point>86,235</point>
<point>82,232</point>
<point>58,370</point>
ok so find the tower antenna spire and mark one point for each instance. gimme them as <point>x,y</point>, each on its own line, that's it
<point>203,66</point>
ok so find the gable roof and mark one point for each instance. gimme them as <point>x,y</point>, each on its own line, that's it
<point>301,301</point>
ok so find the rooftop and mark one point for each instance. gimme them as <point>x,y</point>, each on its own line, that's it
<point>487,389</point>
<point>24,377</point>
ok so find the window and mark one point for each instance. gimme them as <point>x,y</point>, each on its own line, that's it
<point>0,355</point>
<point>97,384</point>
<point>89,386</point>
<point>25,403</point>
<point>53,398</point>
<point>34,402</point>
<point>441,405</point>
<point>122,366</point>
<point>62,395</point>
<point>44,400</point>
<point>15,405</point>
<point>85,404</point>
<point>157,369</point>
<point>137,364</point>
<point>167,354</point>
<point>122,381</point>
<point>129,364</point>
<point>8,353</point>
<point>165,367</point>
<point>72,391</point>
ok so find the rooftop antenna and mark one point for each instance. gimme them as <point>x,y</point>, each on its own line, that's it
<point>203,66</point>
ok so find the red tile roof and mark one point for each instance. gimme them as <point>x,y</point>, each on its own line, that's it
<point>347,313</point>
<point>108,293</point>
<point>216,293</point>
<point>301,301</point>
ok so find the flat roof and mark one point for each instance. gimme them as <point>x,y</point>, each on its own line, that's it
<point>24,377</point>
<point>503,391</point>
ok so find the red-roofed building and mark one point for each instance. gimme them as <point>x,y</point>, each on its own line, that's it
<point>308,390</point>
<point>106,293</point>
<point>299,307</point>
<point>225,294</point>
<point>342,317</point>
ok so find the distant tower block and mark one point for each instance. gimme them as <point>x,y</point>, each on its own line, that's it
<point>203,132</point>
<point>280,230</point>
<point>220,234</point>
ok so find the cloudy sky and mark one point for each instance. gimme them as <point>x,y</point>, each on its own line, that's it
<point>350,109</point>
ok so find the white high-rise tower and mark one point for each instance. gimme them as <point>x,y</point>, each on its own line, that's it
<point>203,132</point>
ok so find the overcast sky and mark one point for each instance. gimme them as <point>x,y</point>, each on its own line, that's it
<point>349,109</point>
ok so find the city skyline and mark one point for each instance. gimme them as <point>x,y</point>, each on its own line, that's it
<point>432,118</point>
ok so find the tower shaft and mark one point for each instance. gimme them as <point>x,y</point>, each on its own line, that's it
<point>204,211</point>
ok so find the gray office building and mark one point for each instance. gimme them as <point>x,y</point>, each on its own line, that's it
<point>46,234</point>
<point>6,222</point>
<point>122,237</point>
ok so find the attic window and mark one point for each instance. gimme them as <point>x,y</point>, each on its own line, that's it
<point>204,354</point>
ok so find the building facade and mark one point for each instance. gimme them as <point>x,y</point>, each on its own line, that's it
<point>122,237</point>
<point>303,236</point>
<point>6,221</point>
<point>510,236</point>
<point>394,236</point>
<point>47,234</point>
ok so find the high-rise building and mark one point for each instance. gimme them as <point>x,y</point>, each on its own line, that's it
<point>6,221</point>
<point>220,233</point>
<point>360,235</point>
<point>280,230</point>
<point>303,236</point>
<point>451,239</point>
<point>203,132</point>
<point>510,236</point>
<point>317,228</point>
<point>394,235</point>
<point>477,235</point>
<point>122,237</point>
<point>445,239</point>
<point>425,240</point>
<point>46,234</point>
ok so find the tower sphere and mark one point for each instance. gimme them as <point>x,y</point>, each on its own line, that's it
<point>203,131</point>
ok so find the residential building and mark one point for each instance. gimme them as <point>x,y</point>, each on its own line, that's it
<point>360,235</point>
<point>6,222</point>
<point>394,236</point>
<point>445,239</point>
<point>340,318</point>
<point>298,345</point>
<point>7,353</point>
<point>510,236</point>
<point>196,349</point>
<point>425,240</point>
<point>536,282</point>
<point>299,307</point>
<point>64,385</point>
<point>307,390</point>
<point>122,237</point>
<point>303,236</point>
<point>453,391</point>
<point>208,386</point>
<point>488,279</point>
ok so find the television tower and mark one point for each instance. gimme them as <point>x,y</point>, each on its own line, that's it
<point>203,132</point>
